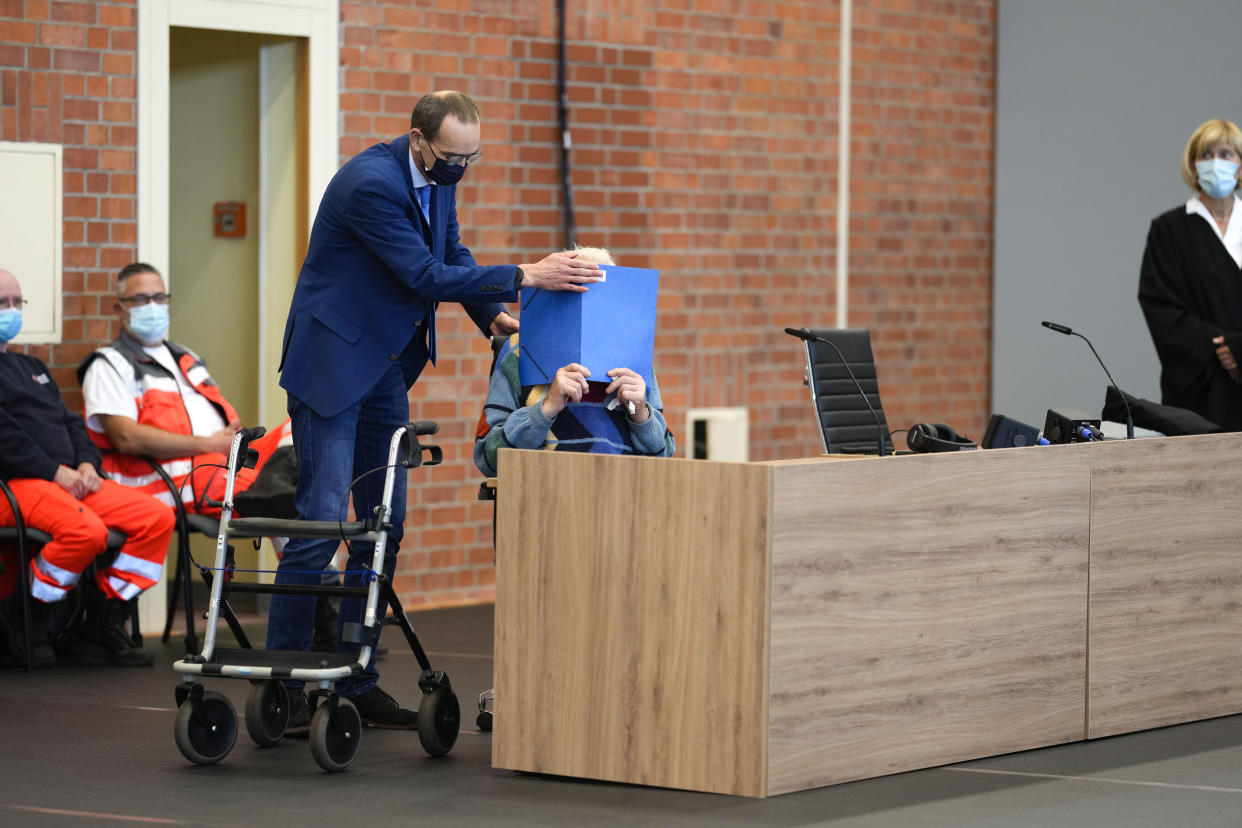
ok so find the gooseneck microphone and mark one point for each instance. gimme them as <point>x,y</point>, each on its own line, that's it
<point>807,336</point>
<point>1063,329</point>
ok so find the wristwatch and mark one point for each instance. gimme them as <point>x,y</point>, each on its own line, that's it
<point>517,280</point>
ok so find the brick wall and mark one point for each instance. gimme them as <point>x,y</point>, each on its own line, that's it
<point>921,205</point>
<point>704,145</point>
<point>68,76</point>
<point>704,140</point>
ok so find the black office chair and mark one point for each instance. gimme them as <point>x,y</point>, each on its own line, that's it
<point>29,540</point>
<point>847,426</point>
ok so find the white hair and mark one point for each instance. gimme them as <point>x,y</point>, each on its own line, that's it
<point>594,255</point>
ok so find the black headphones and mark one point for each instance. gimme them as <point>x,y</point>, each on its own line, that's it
<point>928,437</point>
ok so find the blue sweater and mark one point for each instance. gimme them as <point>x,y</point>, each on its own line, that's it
<point>513,418</point>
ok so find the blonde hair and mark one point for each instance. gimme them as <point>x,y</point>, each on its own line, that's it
<point>1208,133</point>
<point>594,255</point>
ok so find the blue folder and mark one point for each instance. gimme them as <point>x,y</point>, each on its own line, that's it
<point>612,325</point>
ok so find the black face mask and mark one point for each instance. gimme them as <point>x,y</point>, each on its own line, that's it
<point>441,172</point>
<point>444,173</point>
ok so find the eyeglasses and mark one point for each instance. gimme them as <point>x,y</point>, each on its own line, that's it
<point>455,160</point>
<point>139,299</point>
<point>7,302</point>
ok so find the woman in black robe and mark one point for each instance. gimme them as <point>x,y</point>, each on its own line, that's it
<point>1190,287</point>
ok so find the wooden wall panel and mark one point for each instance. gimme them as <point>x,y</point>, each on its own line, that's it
<point>925,610</point>
<point>1166,582</point>
<point>631,627</point>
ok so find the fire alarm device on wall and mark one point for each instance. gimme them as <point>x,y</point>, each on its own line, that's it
<point>230,219</point>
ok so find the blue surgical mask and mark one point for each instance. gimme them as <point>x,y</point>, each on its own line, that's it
<point>10,323</point>
<point>149,323</point>
<point>1217,177</point>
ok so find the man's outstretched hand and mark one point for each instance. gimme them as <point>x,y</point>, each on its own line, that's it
<point>560,271</point>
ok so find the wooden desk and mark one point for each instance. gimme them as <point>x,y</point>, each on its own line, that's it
<point>761,628</point>
<point>769,627</point>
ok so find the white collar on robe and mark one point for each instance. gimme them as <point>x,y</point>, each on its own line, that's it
<point>1232,237</point>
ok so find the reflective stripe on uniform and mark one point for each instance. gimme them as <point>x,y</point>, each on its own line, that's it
<point>136,481</point>
<point>44,591</point>
<point>175,469</point>
<point>197,375</point>
<point>124,589</point>
<point>52,572</point>
<point>164,497</point>
<point>125,562</point>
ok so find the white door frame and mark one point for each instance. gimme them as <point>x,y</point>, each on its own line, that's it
<point>315,20</point>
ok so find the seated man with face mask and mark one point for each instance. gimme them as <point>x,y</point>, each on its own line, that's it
<point>613,414</point>
<point>145,395</point>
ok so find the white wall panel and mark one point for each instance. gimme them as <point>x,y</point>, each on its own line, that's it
<point>30,233</point>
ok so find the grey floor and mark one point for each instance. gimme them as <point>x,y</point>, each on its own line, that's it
<point>94,746</point>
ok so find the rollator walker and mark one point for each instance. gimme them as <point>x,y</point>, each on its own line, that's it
<point>206,723</point>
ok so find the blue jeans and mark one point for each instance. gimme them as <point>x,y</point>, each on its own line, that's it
<point>332,452</point>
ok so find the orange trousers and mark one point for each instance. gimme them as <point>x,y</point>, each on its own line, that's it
<point>79,530</point>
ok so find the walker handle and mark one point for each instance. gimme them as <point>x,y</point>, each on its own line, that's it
<point>247,456</point>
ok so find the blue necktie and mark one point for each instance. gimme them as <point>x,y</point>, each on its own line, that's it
<point>423,194</point>
<point>424,201</point>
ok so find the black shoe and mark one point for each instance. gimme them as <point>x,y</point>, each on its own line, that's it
<point>378,709</point>
<point>71,650</point>
<point>105,628</point>
<point>41,653</point>
<point>299,712</point>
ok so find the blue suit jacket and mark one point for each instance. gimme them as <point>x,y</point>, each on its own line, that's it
<point>374,271</point>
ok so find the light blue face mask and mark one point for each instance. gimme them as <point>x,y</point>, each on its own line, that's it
<point>10,323</point>
<point>1217,177</point>
<point>149,323</point>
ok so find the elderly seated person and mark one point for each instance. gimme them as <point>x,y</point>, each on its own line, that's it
<point>619,414</point>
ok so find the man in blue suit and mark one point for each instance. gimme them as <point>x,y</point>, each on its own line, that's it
<point>384,250</point>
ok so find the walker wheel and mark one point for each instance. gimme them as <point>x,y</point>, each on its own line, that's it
<point>206,730</point>
<point>439,719</point>
<point>267,712</point>
<point>335,733</point>
<point>484,721</point>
